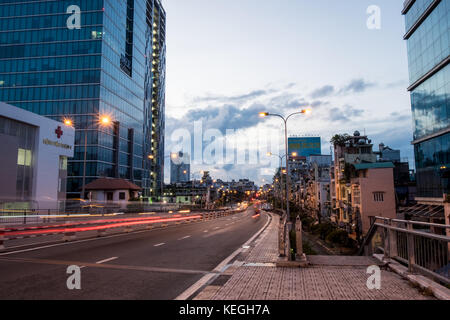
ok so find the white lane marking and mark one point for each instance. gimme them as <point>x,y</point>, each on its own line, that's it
<point>216,228</point>
<point>184,238</point>
<point>159,244</point>
<point>205,231</point>
<point>106,260</point>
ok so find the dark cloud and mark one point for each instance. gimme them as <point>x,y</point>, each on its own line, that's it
<point>290,85</point>
<point>228,167</point>
<point>354,86</point>
<point>318,103</point>
<point>357,86</point>
<point>322,92</point>
<point>346,113</point>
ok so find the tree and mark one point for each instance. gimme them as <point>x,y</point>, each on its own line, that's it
<point>339,139</point>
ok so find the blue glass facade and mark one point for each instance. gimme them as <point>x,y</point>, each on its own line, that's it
<point>114,66</point>
<point>428,42</point>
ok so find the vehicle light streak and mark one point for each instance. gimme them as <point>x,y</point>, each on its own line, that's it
<point>101,227</point>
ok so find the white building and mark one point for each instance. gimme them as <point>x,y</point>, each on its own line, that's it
<point>111,190</point>
<point>33,159</point>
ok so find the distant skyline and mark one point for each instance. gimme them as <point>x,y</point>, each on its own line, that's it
<point>228,60</point>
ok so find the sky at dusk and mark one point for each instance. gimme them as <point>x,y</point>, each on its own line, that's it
<point>228,60</point>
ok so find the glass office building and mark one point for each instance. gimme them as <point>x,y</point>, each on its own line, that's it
<point>180,168</point>
<point>428,42</point>
<point>110,65</point>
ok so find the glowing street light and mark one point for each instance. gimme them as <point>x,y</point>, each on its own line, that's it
<point>105,120</point>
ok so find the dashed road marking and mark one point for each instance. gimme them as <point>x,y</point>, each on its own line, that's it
<point>184,238</point>
<point>159,244</point>
<point>106,260</point>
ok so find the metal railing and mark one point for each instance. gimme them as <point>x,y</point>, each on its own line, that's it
<point>423,247</point>
<point>27,216</point>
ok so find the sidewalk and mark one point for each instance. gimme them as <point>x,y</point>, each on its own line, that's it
<point>253,276</point>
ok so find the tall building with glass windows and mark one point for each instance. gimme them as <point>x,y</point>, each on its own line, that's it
<point>110,65</point>
<point>180,168</point>
<point>428,41</point>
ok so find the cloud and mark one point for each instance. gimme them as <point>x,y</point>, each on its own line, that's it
<point>357,86</point>
<point>228,167</point>
<point>345,113</point>
<point>237,98</point>
<point>322,92</point>
<point>354,86</point>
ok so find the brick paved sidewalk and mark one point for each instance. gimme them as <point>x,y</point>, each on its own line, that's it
<point>253,276</point>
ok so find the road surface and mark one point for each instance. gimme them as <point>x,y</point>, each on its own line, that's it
<point>157,264</point>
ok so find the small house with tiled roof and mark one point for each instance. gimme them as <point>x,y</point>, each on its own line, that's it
<point>112,190</point>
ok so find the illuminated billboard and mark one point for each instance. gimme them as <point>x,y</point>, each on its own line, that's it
<point>305,147</point>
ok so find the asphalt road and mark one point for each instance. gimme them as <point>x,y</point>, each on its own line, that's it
<point>157,264</point>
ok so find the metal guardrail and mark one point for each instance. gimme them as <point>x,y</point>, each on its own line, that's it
<point>422,250</point>
<point>70,229</point>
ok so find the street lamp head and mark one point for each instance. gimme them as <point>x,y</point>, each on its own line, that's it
<point>263,114</point>
<point>269,154</point>
<point>294,154</point>
<point>151,157</point>
<point>105,120</point>
<point>68,122</point>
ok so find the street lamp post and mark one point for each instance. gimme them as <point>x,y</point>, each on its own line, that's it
<point>285,120</point>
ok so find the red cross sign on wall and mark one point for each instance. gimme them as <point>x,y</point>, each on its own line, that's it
<point>59,132</point>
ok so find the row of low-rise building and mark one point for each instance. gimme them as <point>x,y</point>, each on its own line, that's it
<point>350,186</point>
